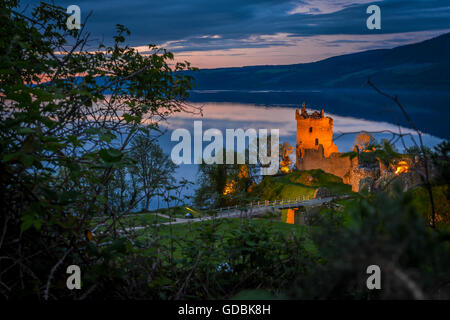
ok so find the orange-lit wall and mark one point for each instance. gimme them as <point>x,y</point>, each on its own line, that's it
<point>310,128</point>
<point>323,153</point>
<point>335,164</point>
<point>290,218</point>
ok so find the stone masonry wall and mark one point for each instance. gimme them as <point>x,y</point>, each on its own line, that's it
<point>315,159</point>
<point>313,130</point>
<point>359,173</point>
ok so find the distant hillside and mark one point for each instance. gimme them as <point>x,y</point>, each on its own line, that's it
<point>424,65</point>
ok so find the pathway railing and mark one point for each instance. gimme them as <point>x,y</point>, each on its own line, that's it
<point>269,203</point>
<point>236,211</point>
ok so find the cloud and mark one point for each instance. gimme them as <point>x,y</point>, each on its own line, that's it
<point>324,6</point>
<point>300,49</point>
<point>233,25</point>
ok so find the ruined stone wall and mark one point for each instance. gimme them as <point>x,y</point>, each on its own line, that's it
<point>334,164</point>
<point>316,150</point>
<point>359,173</point>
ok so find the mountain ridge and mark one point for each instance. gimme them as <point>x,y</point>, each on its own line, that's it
<point>419,65</point>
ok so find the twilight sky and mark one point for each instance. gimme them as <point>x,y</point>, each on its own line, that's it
<point>226,33</point>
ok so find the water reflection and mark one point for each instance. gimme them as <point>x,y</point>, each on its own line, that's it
<point>422,106</point>
<point>237,115</point>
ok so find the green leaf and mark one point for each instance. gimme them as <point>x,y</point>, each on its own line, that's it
<point>27,221</point>
<point>93,131</point>
<point>11,156</point>
<point>107,137</point>
<point>24,130</point>
<point>110,155</point>
<point>128,118</point>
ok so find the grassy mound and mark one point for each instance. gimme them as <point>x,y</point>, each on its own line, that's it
<point>298,183</point>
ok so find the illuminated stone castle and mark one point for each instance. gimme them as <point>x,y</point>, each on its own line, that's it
<point>315,146</point>
<point>314,130</point>
<point>316,150</point>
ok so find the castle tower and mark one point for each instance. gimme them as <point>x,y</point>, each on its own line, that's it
<point>314,130</point>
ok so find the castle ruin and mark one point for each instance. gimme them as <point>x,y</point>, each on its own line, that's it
<point>314,130</point>
<point>316,149</point>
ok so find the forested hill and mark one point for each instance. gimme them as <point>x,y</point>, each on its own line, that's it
<point>424,65</point>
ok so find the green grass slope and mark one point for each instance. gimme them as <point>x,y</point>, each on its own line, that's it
<point>185,234</point>
<point>298,183</point>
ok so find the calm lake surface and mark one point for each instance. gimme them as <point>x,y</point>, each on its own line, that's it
<point>430,110</point>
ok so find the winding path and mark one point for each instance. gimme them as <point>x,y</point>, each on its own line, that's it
<point>251,210</point>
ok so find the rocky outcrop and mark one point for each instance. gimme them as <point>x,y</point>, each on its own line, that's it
<point>366,184</point>
<point>359,173</point>
<point>322,192</point>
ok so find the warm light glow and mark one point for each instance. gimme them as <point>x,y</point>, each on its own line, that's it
<point>290,216</point>
<point>285,169</point>
<point>285,163</point>
<point>243,172</point>
<point>229,187</point>
<point>402,167</point>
